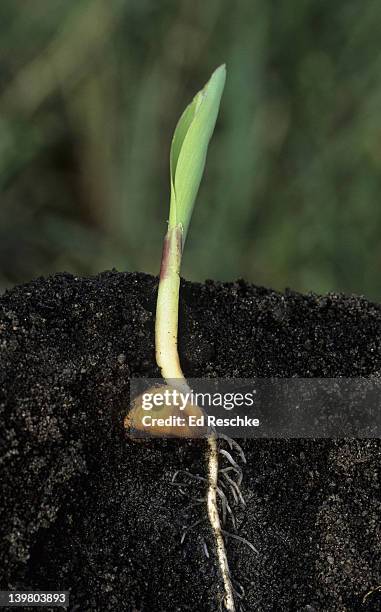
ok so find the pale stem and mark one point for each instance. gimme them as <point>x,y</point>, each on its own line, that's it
<point>167,309</point>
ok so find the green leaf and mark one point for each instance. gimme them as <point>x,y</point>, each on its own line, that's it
<point>189,147</point>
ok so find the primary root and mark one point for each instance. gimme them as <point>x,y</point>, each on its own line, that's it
<point>215,522</point>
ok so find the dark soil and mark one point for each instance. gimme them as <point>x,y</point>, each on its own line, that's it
<point>84,508</point>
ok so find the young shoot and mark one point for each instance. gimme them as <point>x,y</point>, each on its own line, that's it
<point>187,161</point>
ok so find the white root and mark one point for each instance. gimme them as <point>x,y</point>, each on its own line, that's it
<point>235,489</point>
<point>233,444</point>
<point>206,550</point>
<point>189,474</point>
<point>214,492</point>
<point>186,530</point>
<point>228,456</point>
<point>240,539</point>
<point>231,469</point>
<point>216,524</point>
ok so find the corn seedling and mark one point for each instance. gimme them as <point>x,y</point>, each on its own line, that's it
<point>187,161</point>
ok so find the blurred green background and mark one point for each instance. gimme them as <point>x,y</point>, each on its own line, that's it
<point>90,94</point>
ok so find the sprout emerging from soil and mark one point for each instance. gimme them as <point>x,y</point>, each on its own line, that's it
<point>187,161</point>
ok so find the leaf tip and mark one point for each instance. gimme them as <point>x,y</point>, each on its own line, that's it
<point>218,76</point>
